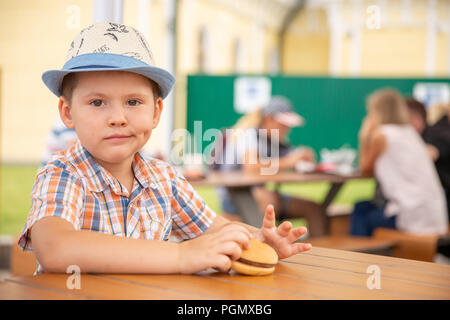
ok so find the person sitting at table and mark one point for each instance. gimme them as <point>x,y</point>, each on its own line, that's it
<point>100,205</point>
<point>252,148</point>
<point>393,151</point>
<point>437,139</point>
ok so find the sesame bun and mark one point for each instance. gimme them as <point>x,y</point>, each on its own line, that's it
<point>258,260</point>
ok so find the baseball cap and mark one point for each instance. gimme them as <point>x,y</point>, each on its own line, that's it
<point>280,108</point>
<point>106,46</point>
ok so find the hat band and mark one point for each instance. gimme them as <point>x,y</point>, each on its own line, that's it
<point>102,60</point>
<point>92,67</point>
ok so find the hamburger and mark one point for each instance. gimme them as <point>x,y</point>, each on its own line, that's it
<point>258,260</point>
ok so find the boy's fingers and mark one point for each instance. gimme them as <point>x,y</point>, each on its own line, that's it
<point>237,237</point>
<point>223,263</point>
<point>301,247</point>
<point>284,229</point>
<point>231,249</point>
<point>269,217</point>
<point>297,233</point>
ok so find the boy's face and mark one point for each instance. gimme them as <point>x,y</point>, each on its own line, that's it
<point>113,114</point>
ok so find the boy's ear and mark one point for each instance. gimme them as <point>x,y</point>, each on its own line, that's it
<point>157,112</point>
<point>65,112</point>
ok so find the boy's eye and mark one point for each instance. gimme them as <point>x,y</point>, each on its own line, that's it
<point>96,103</point>
<point>133,102</point>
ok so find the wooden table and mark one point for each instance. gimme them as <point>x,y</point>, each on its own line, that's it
<point>239,185</point>
<point>317,274</point>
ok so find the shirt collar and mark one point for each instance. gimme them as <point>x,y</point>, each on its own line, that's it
<point>98,178</point>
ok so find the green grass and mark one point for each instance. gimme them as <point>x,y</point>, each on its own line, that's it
<point>16,183</point>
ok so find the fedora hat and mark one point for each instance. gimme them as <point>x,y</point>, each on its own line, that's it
<point>107,46</point>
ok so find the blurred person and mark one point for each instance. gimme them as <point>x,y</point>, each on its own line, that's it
<point>436,112</point>
<point>60,138</point>
<point>438,136</point>
<point>418,120</point>
<point>249,150</point>
<point>417,114</point>
<point>392,151</point>
<point>437,139</point>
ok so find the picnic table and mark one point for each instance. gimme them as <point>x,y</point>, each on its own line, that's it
<point>317,274</point>
<point>240,184</point>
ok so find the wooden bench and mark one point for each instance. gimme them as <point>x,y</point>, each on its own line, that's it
<point>411,246</point>
<point>405,245</point>
<point>338,219</point>
<point>354,243</point>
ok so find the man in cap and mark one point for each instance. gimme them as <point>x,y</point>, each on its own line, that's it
<point>262,148</point>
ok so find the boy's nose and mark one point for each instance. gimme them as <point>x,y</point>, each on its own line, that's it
<point>117,118</point>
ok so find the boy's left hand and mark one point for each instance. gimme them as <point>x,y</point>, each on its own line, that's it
<point>283,237</point>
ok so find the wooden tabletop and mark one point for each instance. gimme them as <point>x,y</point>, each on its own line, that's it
<point>318,274</point>
<point>241,179</point>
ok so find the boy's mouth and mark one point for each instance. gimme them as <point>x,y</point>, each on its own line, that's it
<point>118,137</point>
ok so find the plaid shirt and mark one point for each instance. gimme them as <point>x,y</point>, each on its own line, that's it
<point>74,187</point>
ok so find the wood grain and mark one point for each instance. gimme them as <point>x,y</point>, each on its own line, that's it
<point>317,274</point>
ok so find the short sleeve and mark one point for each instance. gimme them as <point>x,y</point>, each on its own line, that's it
<point>55,193</point>
<point>190,214</point>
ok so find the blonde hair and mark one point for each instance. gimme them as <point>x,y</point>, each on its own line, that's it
<point>250,120</point>
<point>436,112</point>
<point>389,106</point>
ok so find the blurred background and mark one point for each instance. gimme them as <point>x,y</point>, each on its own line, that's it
<point>326,55</point>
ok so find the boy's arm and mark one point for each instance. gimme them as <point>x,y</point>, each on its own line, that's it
<point>220,222</point>
<point>57,245</point>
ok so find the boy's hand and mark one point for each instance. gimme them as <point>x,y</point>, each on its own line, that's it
<point>214,250</point>
<point>282,238</point>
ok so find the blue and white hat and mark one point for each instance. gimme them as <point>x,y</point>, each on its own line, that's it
<point>109,46</point>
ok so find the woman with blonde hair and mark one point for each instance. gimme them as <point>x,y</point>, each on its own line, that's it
<point>392,151</point>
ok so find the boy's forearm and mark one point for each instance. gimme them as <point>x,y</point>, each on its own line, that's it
<point>221,221</point>
<point>100,253</point>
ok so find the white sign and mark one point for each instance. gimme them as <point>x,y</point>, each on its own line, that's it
<point>251,93</point>
<point>430,93</point>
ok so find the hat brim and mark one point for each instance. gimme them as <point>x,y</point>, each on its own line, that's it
<point>289,119</point>
<point>53,78</point>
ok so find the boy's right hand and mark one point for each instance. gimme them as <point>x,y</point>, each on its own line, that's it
<point>215,250</point>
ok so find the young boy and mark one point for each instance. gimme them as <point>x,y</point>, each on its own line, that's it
<point>103,207</point>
